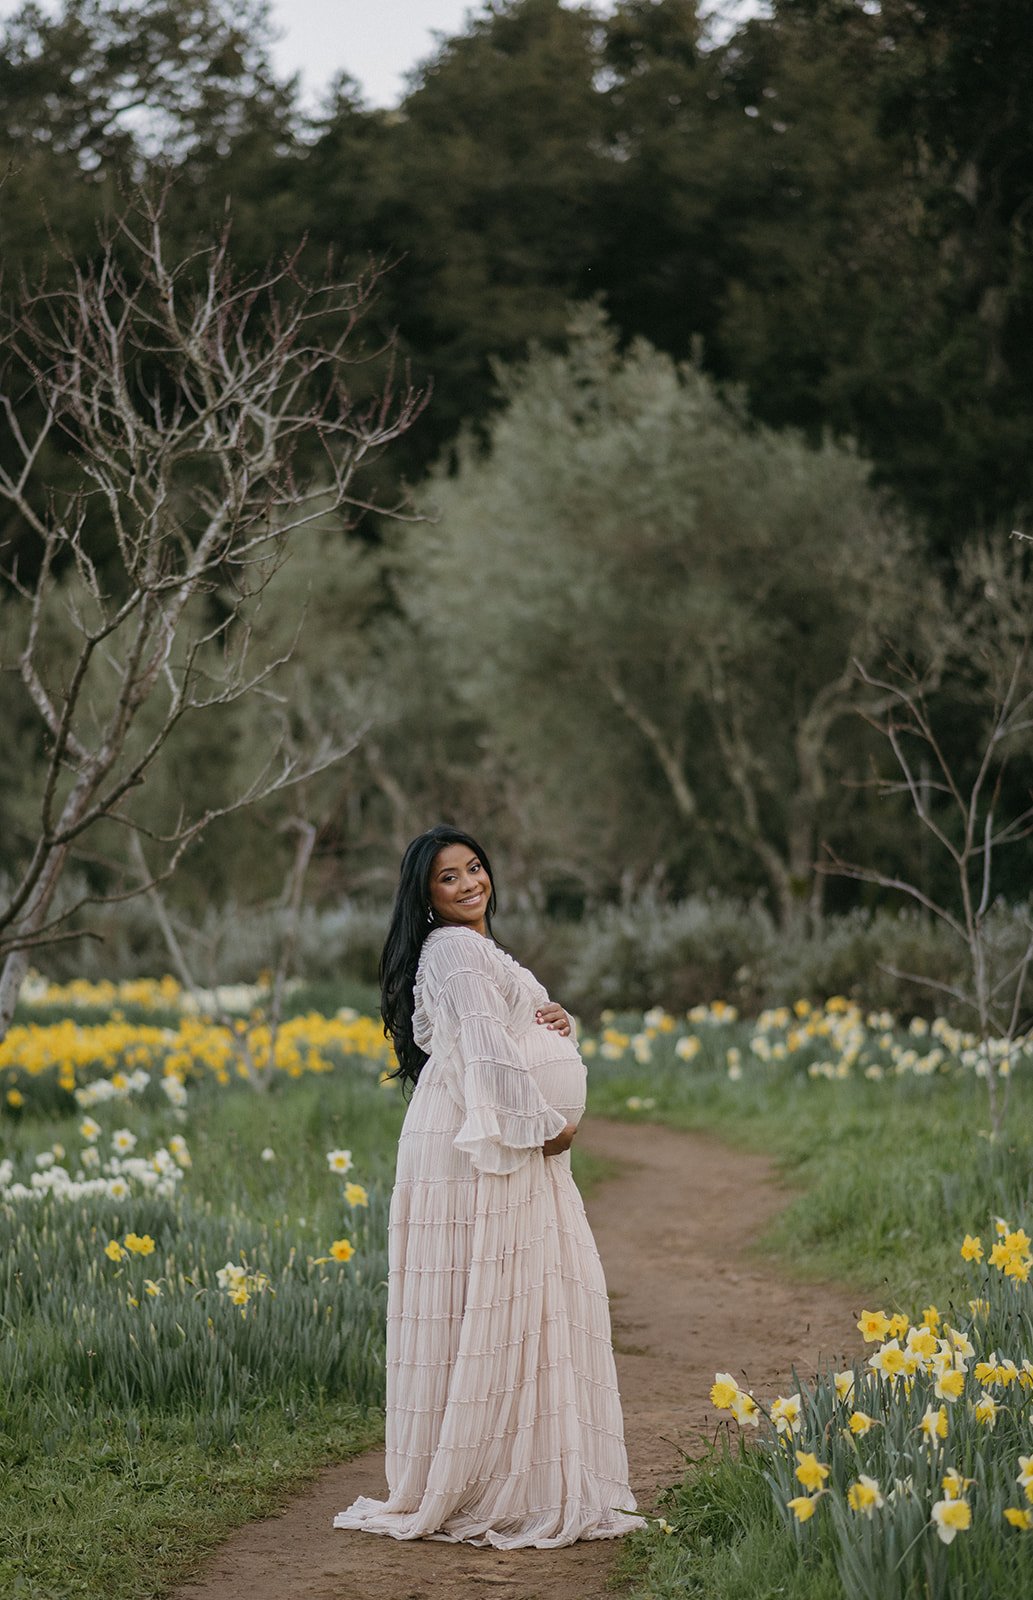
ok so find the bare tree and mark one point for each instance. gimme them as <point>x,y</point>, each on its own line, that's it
<point>957,799</point>
<point>210,422</point>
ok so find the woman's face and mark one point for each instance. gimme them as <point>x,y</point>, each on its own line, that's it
<point>459,887</point>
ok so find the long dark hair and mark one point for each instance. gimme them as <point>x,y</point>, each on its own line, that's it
<point>408,928</point>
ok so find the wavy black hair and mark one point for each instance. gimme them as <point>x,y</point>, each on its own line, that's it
<point>409,926</point>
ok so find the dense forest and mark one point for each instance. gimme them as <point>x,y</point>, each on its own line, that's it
<point>724,351</point>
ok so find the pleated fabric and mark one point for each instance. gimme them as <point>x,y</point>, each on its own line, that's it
<point>504,1422</point>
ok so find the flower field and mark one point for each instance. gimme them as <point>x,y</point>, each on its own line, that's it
<point>909,1475</point>
<point>835,1041</point>
<point>927,1442</point>
<point>193,1274</point>
<point>193,1221</point>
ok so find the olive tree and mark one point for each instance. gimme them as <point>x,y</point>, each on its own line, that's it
<point>655,605</point>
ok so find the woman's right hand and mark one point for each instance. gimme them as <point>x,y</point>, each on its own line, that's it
<point>561,1142</point>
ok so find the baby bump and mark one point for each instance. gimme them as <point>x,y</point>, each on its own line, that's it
<point>556,1065</point>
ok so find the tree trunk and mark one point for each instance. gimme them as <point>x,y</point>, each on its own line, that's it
<point>16,964</point>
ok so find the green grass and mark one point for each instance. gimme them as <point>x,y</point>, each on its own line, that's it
<point>727,1544</point>
<point>117,1478</point>
<point>121,1497</point>
<point>883,1179</point>
<point>129,1505</point>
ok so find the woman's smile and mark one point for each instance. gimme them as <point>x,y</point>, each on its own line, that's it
<point>459,888</point>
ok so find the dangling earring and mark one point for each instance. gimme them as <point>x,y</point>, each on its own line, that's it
<point>430,914</point>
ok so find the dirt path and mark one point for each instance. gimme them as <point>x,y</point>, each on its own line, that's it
<point>672,1227</point>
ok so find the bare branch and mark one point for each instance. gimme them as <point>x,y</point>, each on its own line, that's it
<point>211,424</point>
<point>670,765</point>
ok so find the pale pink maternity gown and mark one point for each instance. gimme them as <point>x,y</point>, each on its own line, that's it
<point>504,1423</point>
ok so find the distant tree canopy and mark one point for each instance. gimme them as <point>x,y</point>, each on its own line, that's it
<point>833,206</point>
<point>728,345</point>
<point>653,606</point>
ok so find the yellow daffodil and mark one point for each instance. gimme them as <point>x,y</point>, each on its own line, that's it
<point>809,1470</point>
<point>864,1496</point>
<point>897,1326</point>
<point>872,1325</point>
<point>890,1361</point>
<point>342,1250</point>
<point>954,1485</point>
<point>934,1424</point>
<point>949,1385</point>
<point>922,1342</point>
<point>355,1194</point>
<point>151,1287</point>
<point>971,1248</point>
<point>139,1244</point>
<point>803,1506</point>
<point>986,1371</point>
<point>1018,1518</point>
<point>844,1384</point>
<point>951,1517</point>
<point>723,1391</point>
<point>860,1423</point>
<point>786,1414</point>
<point>986,1409</point>
<point>240,1295</point>
<point>745,1410</point>
<point>930,1318</point>
<point>114,1251</point>
<point>960,1344</point>
<point>15,1098</point>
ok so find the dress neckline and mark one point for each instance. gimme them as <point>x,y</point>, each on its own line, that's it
<point>457,927</point>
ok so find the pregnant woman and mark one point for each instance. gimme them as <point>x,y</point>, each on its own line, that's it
<point>504,1423</point>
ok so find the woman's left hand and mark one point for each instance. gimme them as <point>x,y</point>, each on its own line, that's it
<point>553,1016</point>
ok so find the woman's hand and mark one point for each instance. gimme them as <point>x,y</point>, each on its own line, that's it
<point>562,1141</point>
<point>553,1016</point>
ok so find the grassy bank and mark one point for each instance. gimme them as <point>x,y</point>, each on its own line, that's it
<point>141,1423</point>
<point>137,1428</point>
<point>185,1343</point>
<point>886,1169</point>
<point>883,1177</point>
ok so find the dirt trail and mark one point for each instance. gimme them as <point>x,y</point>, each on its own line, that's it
<point>672,1226</point>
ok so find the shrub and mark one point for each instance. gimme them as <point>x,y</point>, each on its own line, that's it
<point>677,953</point>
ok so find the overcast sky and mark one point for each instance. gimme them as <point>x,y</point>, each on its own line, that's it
<point>376,41</point>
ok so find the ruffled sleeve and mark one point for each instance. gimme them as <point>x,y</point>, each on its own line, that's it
<point>506,1117</point>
